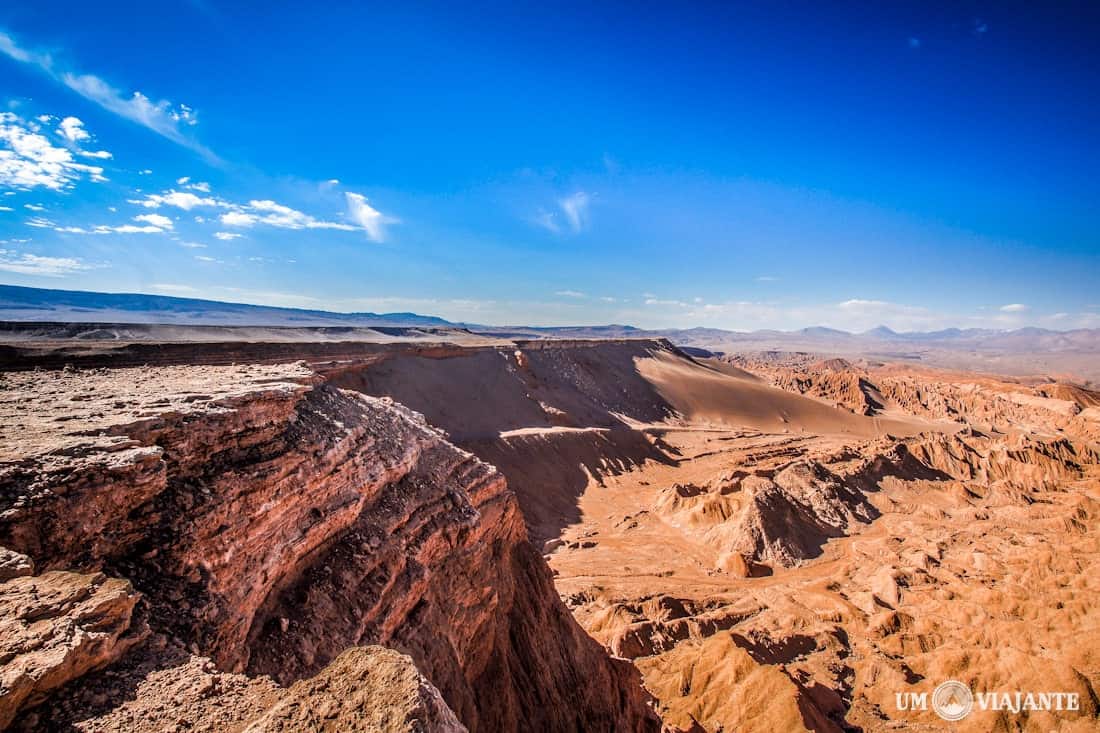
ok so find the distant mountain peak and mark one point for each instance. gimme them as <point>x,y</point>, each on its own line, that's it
<point>881,332</point>
<point>823,331</point>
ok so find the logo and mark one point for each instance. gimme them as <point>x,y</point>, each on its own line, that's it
<point>952,700</point>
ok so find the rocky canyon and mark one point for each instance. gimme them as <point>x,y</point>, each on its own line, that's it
<point>537,535</point>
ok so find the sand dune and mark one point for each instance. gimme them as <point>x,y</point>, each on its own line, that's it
<point>705,395</point>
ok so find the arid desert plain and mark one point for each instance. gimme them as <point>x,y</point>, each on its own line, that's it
<point>426,534</point>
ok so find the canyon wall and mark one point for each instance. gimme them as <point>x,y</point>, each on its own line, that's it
<point>270,522</point>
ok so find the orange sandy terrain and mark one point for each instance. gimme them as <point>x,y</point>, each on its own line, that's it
<point>974,558</point>
<point>758,543</point>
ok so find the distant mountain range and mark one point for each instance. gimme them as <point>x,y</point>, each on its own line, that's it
<point>38,304</point>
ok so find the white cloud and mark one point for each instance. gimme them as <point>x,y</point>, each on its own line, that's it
<point>179,199</point>
<point>30,264</point>
<point>575,208</point>
<point>6,208</point>
<point>157,220</point>
<point>172,288</point>
<point>278,215</point>
<point>859,304</point>
<point>148,228</point>
<point>570,294</point>
<point>767,279</point>
<point>185,115</point>
<point>238,219</point>
<point>39,222</point>
<point>72,129</point>
<point>226,236</point>
<point>192,245</point>
<point>29,160</point>
<point>372,220</point>
<point>267,212</point>
<point>163,118</point>
<point>271,213</point>
<point>1014,308</point>
<point>128,229</point>
<point>34,207</point>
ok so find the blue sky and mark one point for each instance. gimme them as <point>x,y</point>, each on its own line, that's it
<point>763,165</point>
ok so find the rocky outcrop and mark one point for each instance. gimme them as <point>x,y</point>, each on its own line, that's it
<point>1018,461</point>
<point>56,627</point>
<point>784,517</point>
<point>275,525</point>
<point>365,690</point>
<point>781,517</point>
<point>842,386</point>
<point>163,688</point>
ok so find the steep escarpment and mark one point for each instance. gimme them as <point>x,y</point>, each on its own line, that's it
<point>478,393</point>
<point>271,522</point>
<point>553,415</point>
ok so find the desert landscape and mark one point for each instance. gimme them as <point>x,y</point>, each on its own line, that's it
<point>537,535</point>
<point>574,367</point>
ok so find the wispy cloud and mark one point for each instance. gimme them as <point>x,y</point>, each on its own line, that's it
<point>575,208</point>
<point>1014,308</point>
<point>172,288</point>
<point>179,199</point>
<point>547,221</point>
<point>372,220</point>
<point>31,264</point>
<point>147,224</point>
<point>570,294</point>
<point>667,303</point>
<point>266,212</point>
<point>164,118</point>
<point>270,213</point>
<point>766,279</point>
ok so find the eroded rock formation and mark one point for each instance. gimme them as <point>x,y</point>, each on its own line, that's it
<point>272,522</point>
